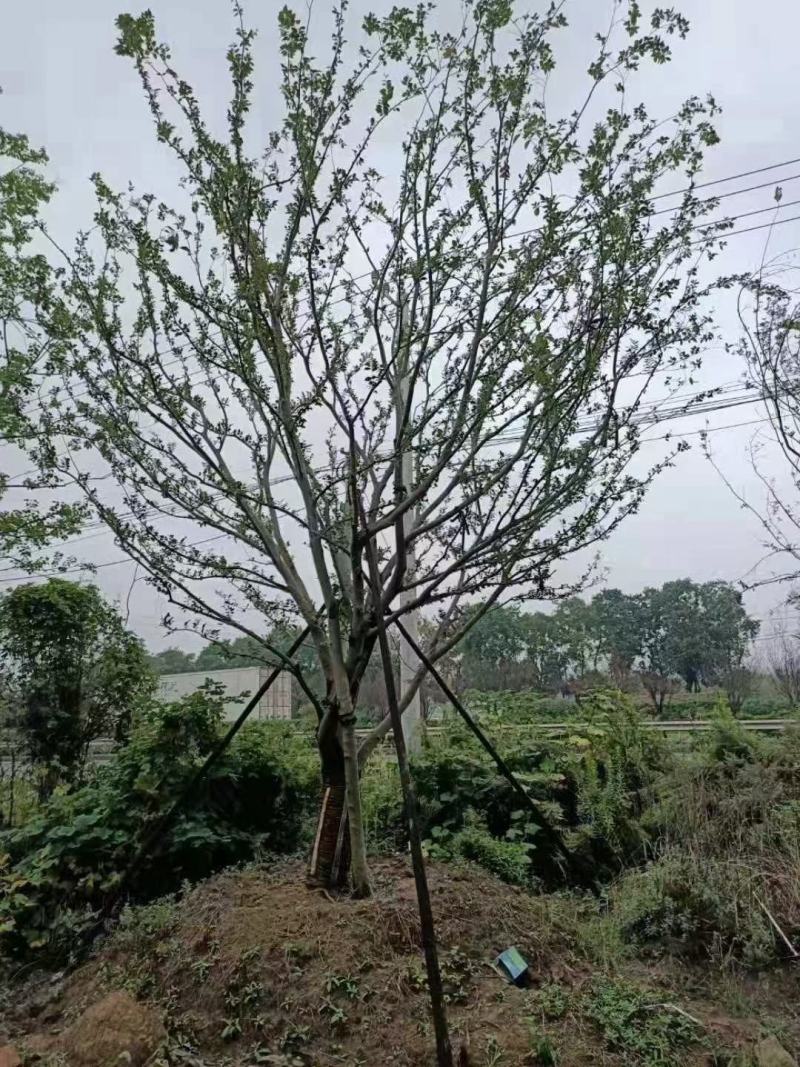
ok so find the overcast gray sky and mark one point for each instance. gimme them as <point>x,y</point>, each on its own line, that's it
<point>65,87</point>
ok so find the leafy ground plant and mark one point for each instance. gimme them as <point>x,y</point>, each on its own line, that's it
<point>633,1021</point>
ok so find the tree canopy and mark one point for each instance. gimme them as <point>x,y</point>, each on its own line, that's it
<point>24,276</point>
<point>72,671</point>
<point>695,631</point>
<point>423,317</point>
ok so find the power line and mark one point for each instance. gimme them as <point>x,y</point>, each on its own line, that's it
<point>775,634</point>
<point>734,192</point>
<point>746,214</point>
<point>751,229</point>
<point>697,226</point>
<point>729,178</point>
<point>710,429</point>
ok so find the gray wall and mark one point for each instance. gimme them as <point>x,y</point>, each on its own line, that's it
<point>275,704</point>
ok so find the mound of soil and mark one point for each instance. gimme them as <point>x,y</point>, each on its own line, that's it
<point>253,967</point>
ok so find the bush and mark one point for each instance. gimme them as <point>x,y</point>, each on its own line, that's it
<point>63,864</point>
<point>507,860</point>
<point>382,805</point>
<point>697,907</point>
<point>727,834</point>
<point>593,785</point>
<point>525,706</point>
<point>614,763</point>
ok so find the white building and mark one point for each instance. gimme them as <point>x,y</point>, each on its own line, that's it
<point>239,682</point>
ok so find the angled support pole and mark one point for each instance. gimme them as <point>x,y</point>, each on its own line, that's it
<point>578,867</point>
<point>164,823</point>
<point>444,1052</point>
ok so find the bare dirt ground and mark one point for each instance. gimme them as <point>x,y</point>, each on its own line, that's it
<point>252,967</point>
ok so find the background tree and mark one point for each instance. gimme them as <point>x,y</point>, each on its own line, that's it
<point>738,683</point>
<point>172,661</point>
<point>544,652</point>
<point>239,652</point>
<point>769,314</point>
<point>659,687</point>
<point>24,530</point>
<point>491,650</point>
<point>696,631</point>
<point>299,356</point>
<point>577,635</point>
<point>617,619</point>
<point>784,662</point>
<point>75,672</point>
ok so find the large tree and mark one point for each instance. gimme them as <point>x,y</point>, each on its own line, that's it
<point>73,671</point>
<point>492,649</point>
<point>545,653</point>
<point>698,631</point>
<point>426,316</point>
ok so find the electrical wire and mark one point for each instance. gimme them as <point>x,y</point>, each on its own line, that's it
<point>752,229</point>
<point>729,178</point>
<point>734,192</point>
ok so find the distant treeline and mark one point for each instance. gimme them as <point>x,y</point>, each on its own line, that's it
<point>696,632</point>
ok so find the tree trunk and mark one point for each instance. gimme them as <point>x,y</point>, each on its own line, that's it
<point>330,855</point>
<point>339,845</point>
<point>330,858</point>
<point>358,846</point>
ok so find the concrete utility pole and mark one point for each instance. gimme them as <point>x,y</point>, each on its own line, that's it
<point>409,661</point>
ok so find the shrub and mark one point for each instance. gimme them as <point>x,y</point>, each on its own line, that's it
<point>551,1000</point>
<point>63,863</point>
<point>525,706</point>
<point>614,763</point>
<point>696,906</point>
<point>508,860</point>
<point>727,833</point>
<point>593,784</point>
<point>382,806</point>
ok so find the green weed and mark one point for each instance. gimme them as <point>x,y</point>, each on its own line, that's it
<point>551,1000</point>
<point>635,1023</point>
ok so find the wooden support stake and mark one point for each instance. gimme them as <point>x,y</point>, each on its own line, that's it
<point>794,953</point>
<point>579,869</point>
<point>444,1052</point>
